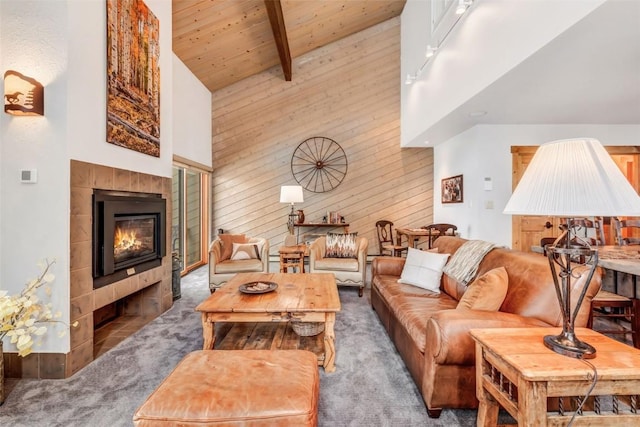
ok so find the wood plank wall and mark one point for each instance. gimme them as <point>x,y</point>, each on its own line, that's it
<point>348,91</point>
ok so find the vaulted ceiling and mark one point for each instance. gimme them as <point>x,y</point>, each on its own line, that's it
<point>224,41</point>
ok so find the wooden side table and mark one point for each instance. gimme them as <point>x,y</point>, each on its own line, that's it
<point>516,371</point>
<point>292,256</point>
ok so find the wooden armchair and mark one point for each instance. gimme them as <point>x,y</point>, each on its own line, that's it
<point>222,267</point>
<point>348,271</point>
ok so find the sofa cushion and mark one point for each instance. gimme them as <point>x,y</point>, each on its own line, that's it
<point>337,264</point>
<point>423,269</point>
<point>487,292</point>
<point>227,244</point>
<point>245,251</point>
<point>389,288</point>
<point>238,266</point>
<point>413,312</point>
<point>341,245</point>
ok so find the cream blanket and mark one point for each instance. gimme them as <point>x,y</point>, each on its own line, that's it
<point>463,264</point>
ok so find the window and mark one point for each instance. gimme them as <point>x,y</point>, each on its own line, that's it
<point>189,216</point>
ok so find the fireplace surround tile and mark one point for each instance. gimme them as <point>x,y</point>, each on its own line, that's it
<point>82,284</point>
<point>80,254</point>
<point>81,176</point>
<point>103,296</point>
<point>122,180</point>
<point>83,332</point>
<point>81,231</point>
<point>103,177</point>
<point>126,287</point>
<point>78,197</point>
<point>79,357</point>
<point>81,306</point>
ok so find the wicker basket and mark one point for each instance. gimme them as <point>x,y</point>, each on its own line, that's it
<point>307,329</point>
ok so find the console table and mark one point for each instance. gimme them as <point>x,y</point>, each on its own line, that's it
<point>325,225</point>
<point>516,371</point>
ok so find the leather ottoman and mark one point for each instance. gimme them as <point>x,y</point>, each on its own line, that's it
<point>236,388</point>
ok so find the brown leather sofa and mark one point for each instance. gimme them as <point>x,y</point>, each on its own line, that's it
<point>432,336</point>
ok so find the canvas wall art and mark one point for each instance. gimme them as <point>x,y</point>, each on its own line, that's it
<point>452,189</point>
<point>133,76</point>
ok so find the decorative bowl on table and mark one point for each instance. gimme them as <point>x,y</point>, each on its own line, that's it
<point>257,287</point>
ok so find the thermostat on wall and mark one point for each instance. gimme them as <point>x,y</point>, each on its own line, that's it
<point>29,176</point>
<point>488,183</point>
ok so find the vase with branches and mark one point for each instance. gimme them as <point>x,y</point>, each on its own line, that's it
<point>24,317</point>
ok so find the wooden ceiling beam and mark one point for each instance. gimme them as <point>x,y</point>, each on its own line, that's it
<point>276,18</point>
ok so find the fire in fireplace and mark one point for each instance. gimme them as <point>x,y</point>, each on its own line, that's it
<point>133,239</point>
<point>128,234</point>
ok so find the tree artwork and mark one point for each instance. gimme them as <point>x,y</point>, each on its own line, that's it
<point>133,76</point>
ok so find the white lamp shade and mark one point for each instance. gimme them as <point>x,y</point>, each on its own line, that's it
<point>291,194</point>
<point>573,178</point>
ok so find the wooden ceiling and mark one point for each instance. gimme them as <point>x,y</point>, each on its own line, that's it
<point>224,41</point>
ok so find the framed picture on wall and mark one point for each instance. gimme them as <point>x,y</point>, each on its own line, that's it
<point>133,76</point>
<point>452,189</point>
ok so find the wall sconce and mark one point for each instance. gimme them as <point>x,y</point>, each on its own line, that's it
<point>23,96</point>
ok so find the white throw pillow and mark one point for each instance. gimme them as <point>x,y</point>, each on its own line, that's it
<point>245,251</point>
<point>423,269</point>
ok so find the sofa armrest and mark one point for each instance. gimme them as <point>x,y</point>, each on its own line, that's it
<point>448,340</point>
<point>387,266</point>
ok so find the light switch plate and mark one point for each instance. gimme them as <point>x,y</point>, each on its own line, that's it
<point>29,176</point>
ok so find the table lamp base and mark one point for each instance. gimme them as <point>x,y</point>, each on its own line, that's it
<point>568,345</point>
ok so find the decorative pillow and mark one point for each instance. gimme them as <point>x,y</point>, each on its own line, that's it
<point>423,269</point>
<point>487,292</point>
<point>227,244</point>
<point>245,251</point>
<point>341,245</point>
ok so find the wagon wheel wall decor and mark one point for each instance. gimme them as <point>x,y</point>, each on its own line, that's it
<point>319,164</point>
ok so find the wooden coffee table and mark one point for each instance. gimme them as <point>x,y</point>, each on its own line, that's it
<point>298,298</point>
<point>515,370</point>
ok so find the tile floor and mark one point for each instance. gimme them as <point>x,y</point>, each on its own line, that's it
<point>111,334</point>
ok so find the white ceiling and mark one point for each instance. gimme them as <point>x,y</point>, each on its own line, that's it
<point>590,74</point>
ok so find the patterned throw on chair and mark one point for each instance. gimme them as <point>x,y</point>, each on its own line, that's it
<point>341,245</point>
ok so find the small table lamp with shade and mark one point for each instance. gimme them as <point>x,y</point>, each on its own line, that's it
<point>572,178</point>
<point>291,194</point>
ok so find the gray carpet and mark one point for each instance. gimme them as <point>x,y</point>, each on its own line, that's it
<point>371,386</point>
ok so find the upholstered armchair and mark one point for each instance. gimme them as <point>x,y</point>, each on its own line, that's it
<point>235,253</point>
<point>348,271</point>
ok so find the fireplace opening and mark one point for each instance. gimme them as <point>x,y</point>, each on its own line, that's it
<point>128,234</point>
<point>133,239</point>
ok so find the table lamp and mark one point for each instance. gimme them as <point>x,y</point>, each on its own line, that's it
<point>291,194</point>
<point>572,178</point>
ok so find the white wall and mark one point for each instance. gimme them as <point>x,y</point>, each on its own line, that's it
<point>62,44</point>
<point>492,39</point>
<point>485,151</point>
<point>191,116</point>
